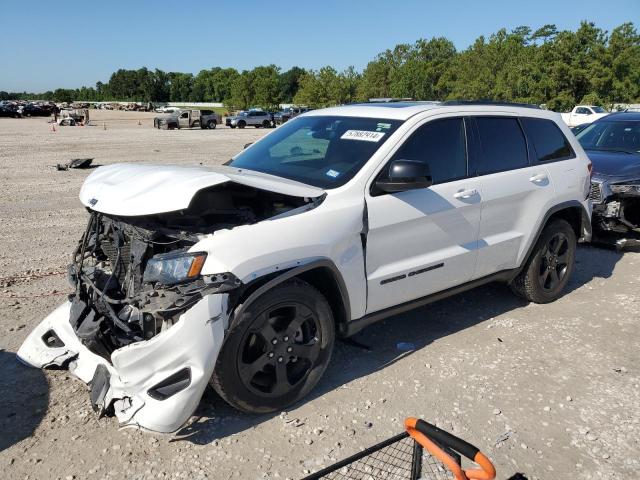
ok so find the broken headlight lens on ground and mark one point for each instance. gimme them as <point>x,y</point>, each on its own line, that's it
<point>171,268</point>
<point>630,188</point>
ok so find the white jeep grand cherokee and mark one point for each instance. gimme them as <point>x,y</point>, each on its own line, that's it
<point>243,275</point>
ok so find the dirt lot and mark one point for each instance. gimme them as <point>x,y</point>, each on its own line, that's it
<point>550,391</point>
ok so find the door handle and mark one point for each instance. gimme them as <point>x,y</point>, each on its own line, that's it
<point>539,178</point>
<point>466,193</point>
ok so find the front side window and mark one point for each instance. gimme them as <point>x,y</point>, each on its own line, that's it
<point>583,111</point>
<point>502,145</point>
<point>441,144</point>
<point>611,136</point>
<point>323,151</point>
<point>548,141</point>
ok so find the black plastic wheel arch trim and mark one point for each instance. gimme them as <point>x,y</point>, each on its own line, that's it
<point>294,272</point>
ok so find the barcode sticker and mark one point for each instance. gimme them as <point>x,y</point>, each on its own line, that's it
<point>363,135</point>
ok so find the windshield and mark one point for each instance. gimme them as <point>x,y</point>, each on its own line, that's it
<point>598,110</point>
<point>611,136</point>
<point>322,151</point>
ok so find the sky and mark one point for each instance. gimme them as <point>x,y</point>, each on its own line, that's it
<point>70,43</point>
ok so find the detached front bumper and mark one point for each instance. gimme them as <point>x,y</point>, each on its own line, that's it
<point>154,384</point>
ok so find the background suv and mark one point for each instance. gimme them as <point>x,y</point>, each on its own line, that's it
<point>243,275</point>
<point>255,118</point>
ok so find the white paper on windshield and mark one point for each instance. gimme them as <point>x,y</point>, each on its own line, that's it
<point>363,135</point>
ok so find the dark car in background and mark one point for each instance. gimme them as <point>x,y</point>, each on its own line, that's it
<point>9,110</point>
<point>35,110</point>
<point>613,146</point>
<point>288,113</point>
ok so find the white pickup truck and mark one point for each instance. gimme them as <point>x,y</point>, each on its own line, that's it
<point>582,114</point>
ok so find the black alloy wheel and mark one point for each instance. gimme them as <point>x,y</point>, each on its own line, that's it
<point>279,352</point>
<point>546,273</point>
<point>554,262</point>
<point>276,350</point>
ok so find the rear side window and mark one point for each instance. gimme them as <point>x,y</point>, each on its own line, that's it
<point>502,145</point>
<point>547,139</point>
<point>442,145</point>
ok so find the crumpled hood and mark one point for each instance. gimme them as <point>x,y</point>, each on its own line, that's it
<point>128,189</point>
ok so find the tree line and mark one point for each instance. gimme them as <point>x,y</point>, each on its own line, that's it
<point>542,66</point>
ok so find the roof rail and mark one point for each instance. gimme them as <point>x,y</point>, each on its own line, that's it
<point>389,100</point>
<point>489,102</point>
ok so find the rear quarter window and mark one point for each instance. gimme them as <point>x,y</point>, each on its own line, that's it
<point>502,145</point>
<point>549,143</point>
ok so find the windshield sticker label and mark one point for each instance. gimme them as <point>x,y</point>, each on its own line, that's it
<point>383,126</point>
<point>332,173</point>
<point>363,135</point>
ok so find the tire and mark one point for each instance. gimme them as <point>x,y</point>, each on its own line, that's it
<point>242,124</point>
<point>549,267</point>
<point>255,375</point>
<point>266,124</point>
<point>232,126</point>
<point>212,124</point>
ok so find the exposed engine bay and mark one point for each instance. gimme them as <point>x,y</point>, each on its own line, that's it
<point>134,276</point>
<point>616,209</point>
<point>620,215</point>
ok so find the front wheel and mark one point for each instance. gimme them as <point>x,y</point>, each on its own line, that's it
<point>212,124</point>
<point>549,268</point>
<point>276,353</point>
<point>242,124</point>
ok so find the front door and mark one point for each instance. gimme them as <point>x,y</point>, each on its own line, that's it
<point>423,241</point>
<point>183,120</point>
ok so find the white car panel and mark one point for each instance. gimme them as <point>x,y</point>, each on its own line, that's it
<point>416,230</point>
<point>511,204</point>
<point>136,189</point>
<point>193,342</point>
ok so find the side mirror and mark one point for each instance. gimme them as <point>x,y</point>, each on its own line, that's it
<point>405,175</point>
<point>247,145</point>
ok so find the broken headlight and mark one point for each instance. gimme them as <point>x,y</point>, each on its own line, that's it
<point>170,268</point>
<point>630,188</point>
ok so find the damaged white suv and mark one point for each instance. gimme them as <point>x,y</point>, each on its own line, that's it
<point>242,276</point>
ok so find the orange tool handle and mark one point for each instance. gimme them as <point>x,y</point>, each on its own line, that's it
<point>431,437</point>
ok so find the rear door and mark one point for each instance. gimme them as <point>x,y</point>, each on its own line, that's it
<point>515,192</point>
<point>423,241</point>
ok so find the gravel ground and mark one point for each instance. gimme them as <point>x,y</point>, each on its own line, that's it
<point>551,391</point>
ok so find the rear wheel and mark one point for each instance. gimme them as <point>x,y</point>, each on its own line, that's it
<point>277,351</point>
<point>549,268</point>
<point>212,124</point>
<point>266,124</point>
